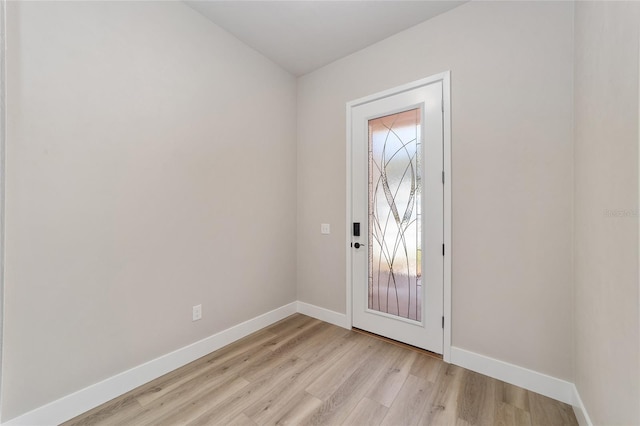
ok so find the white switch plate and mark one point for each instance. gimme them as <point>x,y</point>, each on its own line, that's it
<point>325,228</point>
<point>197,313</point>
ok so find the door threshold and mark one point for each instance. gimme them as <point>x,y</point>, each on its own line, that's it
<point>397,343</point>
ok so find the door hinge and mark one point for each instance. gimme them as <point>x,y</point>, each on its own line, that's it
<point>443,249</point>
<point>442,322</point>
<point>442,104</point>
<point>443,177</point>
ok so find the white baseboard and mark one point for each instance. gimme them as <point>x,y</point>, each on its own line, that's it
<point>85,399</point>
<point>543,384</point>
<point>323,314</point>
<point>579,409</point>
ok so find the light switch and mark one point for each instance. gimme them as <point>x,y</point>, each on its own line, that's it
<point>325,228</point>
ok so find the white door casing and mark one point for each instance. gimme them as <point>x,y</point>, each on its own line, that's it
<point>429,99</point>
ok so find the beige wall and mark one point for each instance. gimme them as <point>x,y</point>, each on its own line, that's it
<point>607,337</point>
<point>131,175</point>
<point>511,76</point>
<point>151,167</point>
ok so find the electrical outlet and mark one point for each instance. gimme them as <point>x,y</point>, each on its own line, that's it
<point>197,313</point>
<point>325,228</point>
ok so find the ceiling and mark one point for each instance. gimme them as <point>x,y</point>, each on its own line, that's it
<point>302,36</point>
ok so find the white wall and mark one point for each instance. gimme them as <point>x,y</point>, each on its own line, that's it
<point>151,167</point>
<point>607,316</point>
<point>511,73</point>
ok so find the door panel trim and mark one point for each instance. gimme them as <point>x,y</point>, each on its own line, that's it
<point>444,77</point>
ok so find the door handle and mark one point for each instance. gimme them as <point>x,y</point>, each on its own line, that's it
<point>358,245</point>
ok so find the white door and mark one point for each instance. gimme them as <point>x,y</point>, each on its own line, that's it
<point>397,230</point>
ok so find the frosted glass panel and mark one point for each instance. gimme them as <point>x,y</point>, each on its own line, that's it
<point>395,274</point>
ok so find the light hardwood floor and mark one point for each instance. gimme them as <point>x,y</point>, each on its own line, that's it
<point>304,371</point>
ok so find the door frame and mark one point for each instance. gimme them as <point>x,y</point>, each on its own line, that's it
<point>3,137</point>
<point>444,77</point>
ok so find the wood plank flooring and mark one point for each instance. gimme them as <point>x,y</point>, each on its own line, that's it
<point>301,371</point>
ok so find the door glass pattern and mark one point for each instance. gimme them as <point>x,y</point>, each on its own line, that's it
<point>395,249</point>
